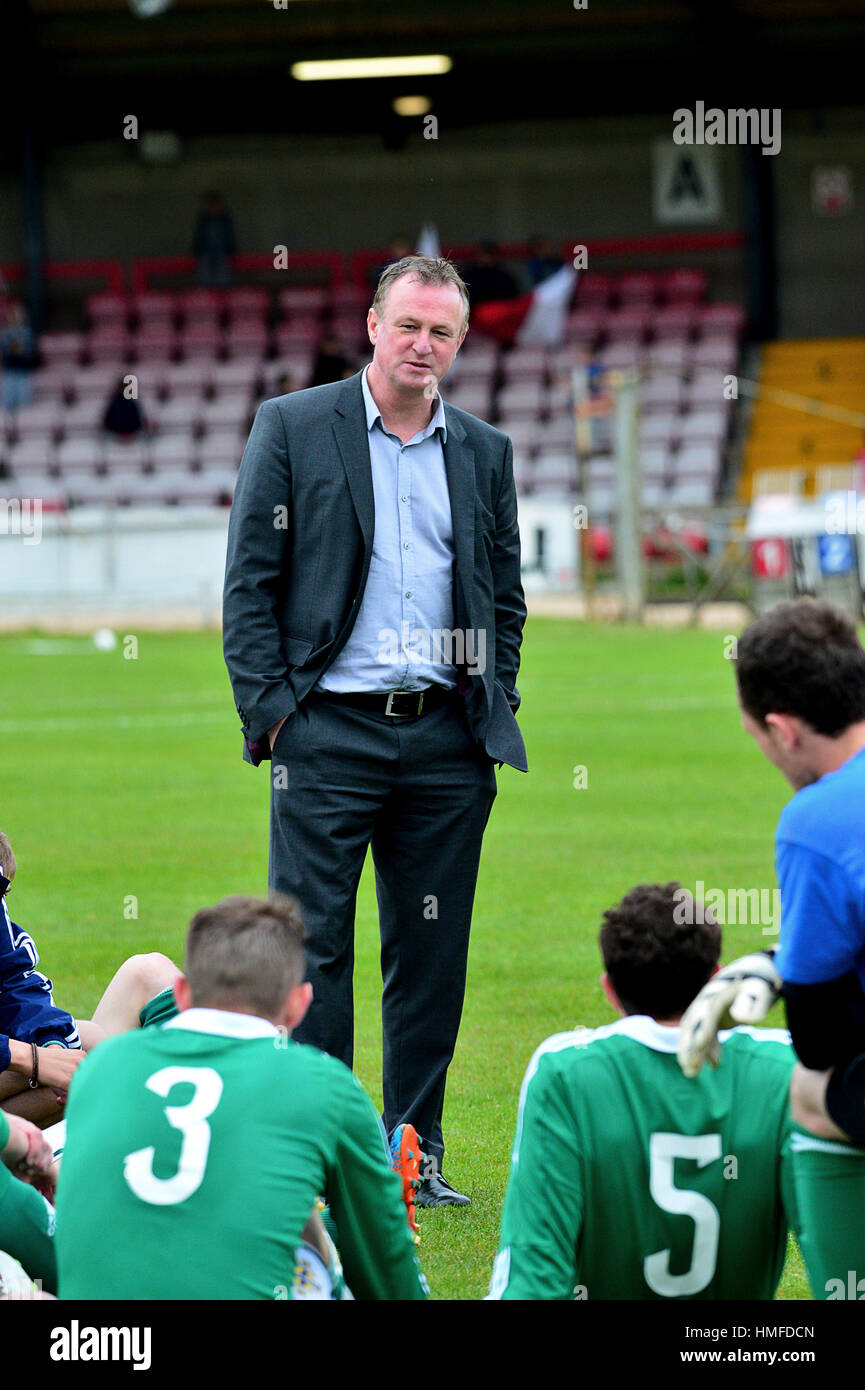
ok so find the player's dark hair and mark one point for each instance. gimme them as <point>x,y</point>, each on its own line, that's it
<point>659,948</point>
<point>803,657</point>
<point>245,954</point>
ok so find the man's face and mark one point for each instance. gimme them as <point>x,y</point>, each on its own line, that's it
<point>784,740</point>
<point>417,336</point>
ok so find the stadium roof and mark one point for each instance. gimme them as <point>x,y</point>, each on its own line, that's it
<point>223,65</point>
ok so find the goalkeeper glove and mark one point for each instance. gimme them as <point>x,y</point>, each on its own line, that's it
<point>741,992</point>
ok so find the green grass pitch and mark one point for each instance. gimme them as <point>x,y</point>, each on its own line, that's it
<point>125,792</point>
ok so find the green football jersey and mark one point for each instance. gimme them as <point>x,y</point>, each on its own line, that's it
<point>26,1223</point>
<point>630,1181</point>
<point>194,1156</point>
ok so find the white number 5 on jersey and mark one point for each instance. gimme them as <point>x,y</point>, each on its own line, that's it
<point>191,1120</point>
<point>664,1149</point>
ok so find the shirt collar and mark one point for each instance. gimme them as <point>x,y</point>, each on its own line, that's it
<point>639,1027</point>
<point>642,1029</point>
<point>224,1024</point>
<point>373,414</point>
<point>661,1037</point>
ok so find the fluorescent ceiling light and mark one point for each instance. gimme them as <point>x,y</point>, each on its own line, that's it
<point>415,65</point>
<point>145,9</point>
<point>411,106</point>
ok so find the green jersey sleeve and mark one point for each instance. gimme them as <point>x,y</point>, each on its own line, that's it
<point>543,1208</point>
<point>375,1244</point>
<point>27,1225</point>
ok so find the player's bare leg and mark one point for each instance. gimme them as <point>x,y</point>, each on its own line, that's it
<point>10,1085</point>
<point>51,1067</point>
<point>316,1236</point>
<point>135,984</point>
<point>39,1105</point>
<point>808,1103</point>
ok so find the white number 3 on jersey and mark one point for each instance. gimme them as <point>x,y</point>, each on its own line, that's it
<point>191,1120</point>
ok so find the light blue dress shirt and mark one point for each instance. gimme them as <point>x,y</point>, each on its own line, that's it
<point>403,636</point>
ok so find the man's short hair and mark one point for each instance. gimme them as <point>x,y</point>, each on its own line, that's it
<point>7,858</point>
<point>803,657</point>
<point>657,953</point>
<point>429,270</point>
<point>245,954</point>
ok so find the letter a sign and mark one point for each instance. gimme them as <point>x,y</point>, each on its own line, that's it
<point>686,184</point>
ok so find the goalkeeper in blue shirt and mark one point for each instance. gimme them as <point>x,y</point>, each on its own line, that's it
<point>800,670</point>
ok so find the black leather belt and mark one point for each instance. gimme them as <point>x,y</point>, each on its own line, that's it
<point>398,703</point>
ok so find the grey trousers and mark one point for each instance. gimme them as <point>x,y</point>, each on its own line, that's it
<point>418,790</point>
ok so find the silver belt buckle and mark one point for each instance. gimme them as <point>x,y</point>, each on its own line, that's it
<point>388,709</point>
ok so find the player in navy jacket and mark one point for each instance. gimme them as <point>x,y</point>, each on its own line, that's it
<point>41,1045</point>
<point>27,1008</point>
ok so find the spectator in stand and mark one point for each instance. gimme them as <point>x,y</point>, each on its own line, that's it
<point>18,355</point>
<point>542,261</point>
<point>123,418</point>
<point>214,243</point>
<point>398,247</point>
<point>331,363</point>
<point>487,278</point>
<point>283,386</point>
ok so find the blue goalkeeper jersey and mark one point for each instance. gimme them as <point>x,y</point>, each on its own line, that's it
<point>820,862</point>
<point>27,1009</point>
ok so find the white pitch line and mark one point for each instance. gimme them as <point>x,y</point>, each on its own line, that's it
<point>118,721</point>
<point>673,702</point>
<point>185,698</point>
<point>685,702</point>
<point>45,648</point>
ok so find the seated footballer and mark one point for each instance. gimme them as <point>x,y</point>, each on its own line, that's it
<point>197,1149</point>
<point>628,1181</point>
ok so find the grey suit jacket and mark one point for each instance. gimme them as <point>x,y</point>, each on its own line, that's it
<point>299,544</point>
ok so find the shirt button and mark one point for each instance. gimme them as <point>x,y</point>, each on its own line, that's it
<point>406,545</point>
<point>408,593</point>
<point>404,497</point>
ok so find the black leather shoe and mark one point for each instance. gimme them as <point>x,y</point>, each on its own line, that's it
<point>437,1192</point>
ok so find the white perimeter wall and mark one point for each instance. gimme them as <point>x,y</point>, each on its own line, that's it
<point>167,564</point>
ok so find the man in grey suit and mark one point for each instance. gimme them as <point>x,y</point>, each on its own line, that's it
<point>373,614</point>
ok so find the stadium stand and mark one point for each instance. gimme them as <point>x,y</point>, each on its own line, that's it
<point>203,359</point>
<point>780,438</point>
<point>657,323</point>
